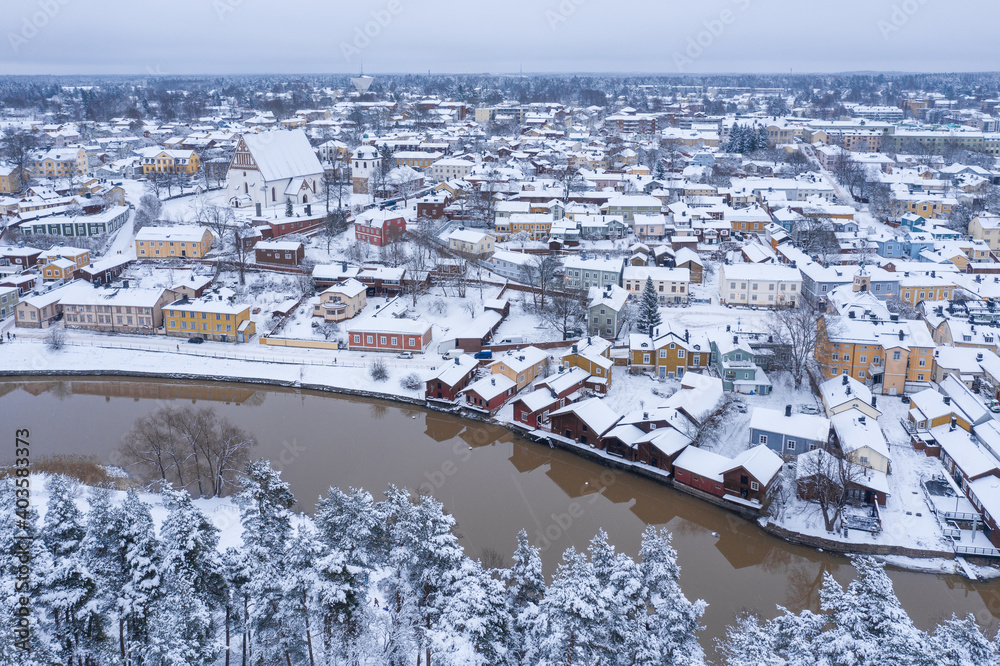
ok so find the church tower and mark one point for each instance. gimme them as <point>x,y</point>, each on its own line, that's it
<point>364,163</point>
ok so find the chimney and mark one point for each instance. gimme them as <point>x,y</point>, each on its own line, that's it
<point>645,416</point>
<point>947,400</point>
<point>979,357</point>
<point>493,380</point>
<point>862,420</point>
<point>576,349</point>
<point>954,423</point>
<point>902,336</point>
<point>458,361</point>
<point>788,410</point>
<point>736,340</point>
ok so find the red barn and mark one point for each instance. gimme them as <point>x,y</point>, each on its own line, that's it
<point>532,409</point>
<point>389,335</point>
<point>584,422</point>
<point>490,393</point>
<point>702,470</point>
<point>751,475</point>
<point>379,227</point>
<point>451,379</point>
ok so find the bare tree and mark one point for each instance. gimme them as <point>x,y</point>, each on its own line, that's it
<point>815,236</point>
<point>567,312</point>
<point>56,338</point>
<point>242,252</point>
<point>191,448</point>
<point>796,327</point>
<point>542,274</point>
<point>16,148</point>
<point>569,179</point>
<point>483,200</point>
<point>829,481</point>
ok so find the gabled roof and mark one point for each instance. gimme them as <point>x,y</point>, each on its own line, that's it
<point>762,463</point>
<point>283,154</point>
<point>594,412</point>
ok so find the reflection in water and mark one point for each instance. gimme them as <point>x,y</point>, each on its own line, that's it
<point>493,482</point>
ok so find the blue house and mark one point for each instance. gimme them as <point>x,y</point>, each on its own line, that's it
<point>736,363</point>
<point>890,247</point>
<point>788,434</point>
<point>915,242</point>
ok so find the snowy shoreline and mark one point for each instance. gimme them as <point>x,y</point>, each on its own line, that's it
<point>343,382</point>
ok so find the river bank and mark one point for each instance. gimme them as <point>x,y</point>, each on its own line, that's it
<point>32,358</point>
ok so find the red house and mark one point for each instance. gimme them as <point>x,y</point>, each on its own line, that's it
<point>584,422</point>
<point>451,379</point>
<point>389,335</point>
<point>489,393</point>
<point>432,206</point>
<point>533,409</point>
<point>751,476</point>
<point>660,448</point>
<point>702,470</point>
<point>379,227</point>
<point>288,253</point>
<point>22,257</point>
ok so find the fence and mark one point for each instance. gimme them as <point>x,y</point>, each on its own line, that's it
<point>972,550</point>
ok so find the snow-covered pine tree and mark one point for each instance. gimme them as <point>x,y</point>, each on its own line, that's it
<point>98,551</point>
<point>138,558</point>
<point>19,537</point>
<point>960,642</point>
<point>339,600</point>
<point>675,620</point>
<point>525,589</point>
<point>475,627</point>
<point>567,631</point>
<point>627,639</point>
<point>869,626</point>
<point>352,523</point>
<point>265,502</point>
<point>298,635</point>
<point>183,625</point>
<point>649,310</point>
<point>69,590</point>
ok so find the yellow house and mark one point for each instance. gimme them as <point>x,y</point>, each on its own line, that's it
<point>861,440</point>
<point>521,366</point>
<point>917,288</point>
<point>592,354</point>
<point>171,161</point>
<point>341,301</point>
<point>986,228</point>
<point>62,262</point>
<point>209,320</point>
<point>470,242</point>
<point>59,163</point>
<point>173,242</point>
<point>10,180</point>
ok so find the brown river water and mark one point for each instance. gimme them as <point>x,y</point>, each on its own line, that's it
<point>493,482</point>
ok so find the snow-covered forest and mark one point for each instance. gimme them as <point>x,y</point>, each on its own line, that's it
<point>369,582</point>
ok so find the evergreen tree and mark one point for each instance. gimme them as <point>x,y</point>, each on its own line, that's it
<point>70,589</point>
<point>353,524</point>
<point>960,642</point>
<point>137,555</point>
<point>289,210</point>
<point>869,625</point>
<point>525,589</point>
<point>649,310</point>
<point>675,620</point>
<point>475,626</point>
<point>192,583</point>
<point>98,552</point>
<point>567,630</point>
<point>265,502</point>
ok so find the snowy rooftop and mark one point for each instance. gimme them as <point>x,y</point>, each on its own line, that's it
<point>805,426</point>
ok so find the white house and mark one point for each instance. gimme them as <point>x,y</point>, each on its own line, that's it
<point>273,167</point>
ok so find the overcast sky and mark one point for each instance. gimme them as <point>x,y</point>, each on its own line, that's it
<point>473,36</point>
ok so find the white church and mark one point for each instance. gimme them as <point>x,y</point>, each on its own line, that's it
<point>271,168</point>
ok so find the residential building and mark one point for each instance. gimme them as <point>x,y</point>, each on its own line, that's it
<point>451,379</point>
<point>861,441</point>
<point>341,302</point>
<point>173,242</point>
<point>489,393</point>
<point>584,422</point>
<point>840,394</point>
<point>606,310</point>
<point>751,476</point>
<point>789,434</point>
<point>210,319</point>
<point>379,227</point>
<point>584,272</point>
<point>9,298</point>
<point>59,163</point>
<point>286,253</point>
<point>671,354</point>
<point>389,335</point>
<point>160,161</point>
<point>470,242</point>
<point>735,362</point>
<point>986,228</point>
<point>759,285</point>
<point>133,311</point>
<point>671,284</point>
<point>522,367</point>
<point>79,225</point>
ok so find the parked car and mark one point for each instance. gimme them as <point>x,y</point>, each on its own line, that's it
<point>483,355</point>
<point>452,353</point>
<point>196,341</point>
<point>405,354</point>
<point>994,406</point>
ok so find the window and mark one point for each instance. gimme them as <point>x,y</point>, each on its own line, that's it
<point>896,355</point>
<point>864,460</point>
<point>680,353</point>
<point>864,358</point>
<point>754,485</point>
<point>790,445</point>
<point>861,374</point>
<point>762,439</point>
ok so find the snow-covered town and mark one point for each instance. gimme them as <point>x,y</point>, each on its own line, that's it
<point>775,296</point>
